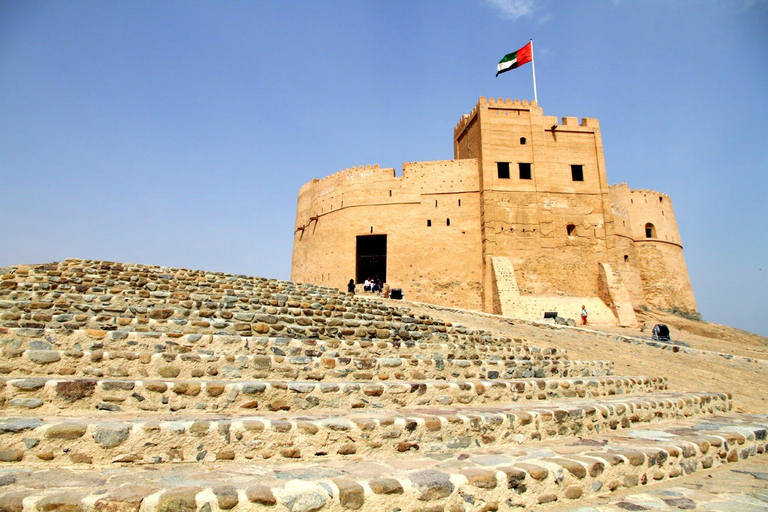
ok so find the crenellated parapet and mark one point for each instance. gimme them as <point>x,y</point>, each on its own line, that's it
<point>639,191</point>
<point>484,103</point>
<point>358,172</point>
<point>549,122</point>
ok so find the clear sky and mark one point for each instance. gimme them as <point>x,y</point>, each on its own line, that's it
<point>179,133</point>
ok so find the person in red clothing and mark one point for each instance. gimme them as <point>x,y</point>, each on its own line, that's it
<point>583,315</point>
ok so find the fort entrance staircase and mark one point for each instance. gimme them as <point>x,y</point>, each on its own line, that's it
<point>129,387</point>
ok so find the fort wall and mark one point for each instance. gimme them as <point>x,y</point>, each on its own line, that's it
<point>429,216</point>
<point>523,186</point>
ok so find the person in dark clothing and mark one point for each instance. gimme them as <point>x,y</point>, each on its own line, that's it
<point>351,286</point>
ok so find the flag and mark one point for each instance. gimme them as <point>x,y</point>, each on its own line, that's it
<point>515,59</point>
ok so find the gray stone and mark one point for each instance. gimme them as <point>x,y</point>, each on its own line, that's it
<point>304,500</point>
<point>19,425</point>
<point>31,443</point>
<point>43,356</point>
<point>337,424</point>
<point>40,345</point>
<point>301,387</point>
<point>7,480</point>
<point>459,442</point>
<point>251,388</point>
<point>432,485</point>
<point>104,406</point>
<point>29,385</point>
<point>29,403</point>
<point>111,435</point>
<point>314,473</point>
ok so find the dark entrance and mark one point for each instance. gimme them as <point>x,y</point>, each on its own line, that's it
<point>371,258</point>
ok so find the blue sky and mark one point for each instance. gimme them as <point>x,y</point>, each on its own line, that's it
<point>179,133</point>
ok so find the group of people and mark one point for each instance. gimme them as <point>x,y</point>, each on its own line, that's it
<point>370,285</point>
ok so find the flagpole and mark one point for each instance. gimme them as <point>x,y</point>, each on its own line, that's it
<point>533,66</point>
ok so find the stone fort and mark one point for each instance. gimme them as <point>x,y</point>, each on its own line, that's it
<point>520,222</point>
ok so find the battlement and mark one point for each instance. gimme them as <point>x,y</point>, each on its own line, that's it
<point>494,103</point>
<point>623,187</point>
<point>533,107</point>
<point>356,172</point>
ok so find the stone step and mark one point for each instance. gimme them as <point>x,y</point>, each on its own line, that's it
<point>15,340</point>
<point>124,364</point>
<point>96,277</point>
<point>485,480</point>
<point>47,396</point>
<point>247,324</point>
<point>311,437</point>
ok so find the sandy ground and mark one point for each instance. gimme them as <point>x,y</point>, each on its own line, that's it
<point>746,381</point>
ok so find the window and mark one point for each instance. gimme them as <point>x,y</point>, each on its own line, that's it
<point>577,172</point>
<point>525,171</point>
<point>522,141</point>
<point>650,231</point>
<point>429,223</point>
<point>447,222</point>
<point>570,228</point>
<point>626,258</point>
<point>503,168</point>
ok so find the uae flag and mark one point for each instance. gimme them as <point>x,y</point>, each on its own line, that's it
<point>515,59</point>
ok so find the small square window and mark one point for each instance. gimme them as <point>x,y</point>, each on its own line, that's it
<point>577,172</point>
<point>525,171</point>
<point>503,168</point>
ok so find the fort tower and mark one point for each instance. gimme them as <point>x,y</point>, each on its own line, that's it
<point>522,221</point>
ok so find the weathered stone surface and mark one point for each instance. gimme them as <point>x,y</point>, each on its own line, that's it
<point>386,486</point>
<point>66,431</point>
<point>11,455</point>
<point>168,372</point>
<point>111,435</point>
<point>536,472</point>
<point>62,502</point>
<point>431,485</point>
<point>226,496</point>
<point>351,494</point>
<point>12,502</point>
<point>481,478</point>
<point>304,497</point>
<point>260,494</point>
<point>28,385</point>
<point>180,499</point>
<point>17,425</point>
<point>43,356</point>
<point>73,390</point>
<point>27,403</point>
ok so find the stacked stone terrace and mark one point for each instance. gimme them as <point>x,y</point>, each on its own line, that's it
<point>244,393</point>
